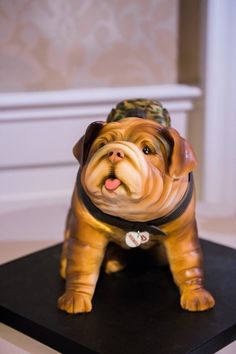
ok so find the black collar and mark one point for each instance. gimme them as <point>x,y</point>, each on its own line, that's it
<point>151,226</point>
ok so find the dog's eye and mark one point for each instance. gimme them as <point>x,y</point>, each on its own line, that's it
<point>146,150</point>
<point>101,145</point>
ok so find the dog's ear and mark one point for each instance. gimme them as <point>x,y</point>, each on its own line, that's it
<point>82,147</point>
<point>182,159</point>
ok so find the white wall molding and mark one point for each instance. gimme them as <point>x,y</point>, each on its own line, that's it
<point>220,109</point>
<point>96,95</point>
<point>38,130</point>
<point>87,103</point>
<point>51,113</point>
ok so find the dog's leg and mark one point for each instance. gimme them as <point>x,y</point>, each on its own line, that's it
<point>185,260</point>
<point>115,259</point>
<point>85,254</point>
<point>63,262</point>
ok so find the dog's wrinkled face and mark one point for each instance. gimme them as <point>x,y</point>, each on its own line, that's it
<point>128,165</point>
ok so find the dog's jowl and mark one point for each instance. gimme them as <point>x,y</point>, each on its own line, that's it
<point>134,188</point>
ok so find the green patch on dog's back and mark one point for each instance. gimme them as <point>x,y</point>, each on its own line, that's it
<point>141,108</point>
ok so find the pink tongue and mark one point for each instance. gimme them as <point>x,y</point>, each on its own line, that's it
<point>112,184</point>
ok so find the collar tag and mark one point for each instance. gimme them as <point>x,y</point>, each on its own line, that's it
<point>136,238</point>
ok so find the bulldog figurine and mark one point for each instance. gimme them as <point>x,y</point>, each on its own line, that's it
<point>134,189</point>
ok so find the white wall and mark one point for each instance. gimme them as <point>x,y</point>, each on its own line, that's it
<point>220,108</point>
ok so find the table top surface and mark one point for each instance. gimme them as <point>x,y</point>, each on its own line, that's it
<point>135,311</point>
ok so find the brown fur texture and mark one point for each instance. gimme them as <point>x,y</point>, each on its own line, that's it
<point>151,163</point>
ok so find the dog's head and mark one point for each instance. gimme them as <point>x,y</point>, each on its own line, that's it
<point>126,165</point>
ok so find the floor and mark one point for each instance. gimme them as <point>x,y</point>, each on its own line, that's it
<point>23,231</point>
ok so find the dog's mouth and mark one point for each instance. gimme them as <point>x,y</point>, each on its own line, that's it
<point>111,182</point>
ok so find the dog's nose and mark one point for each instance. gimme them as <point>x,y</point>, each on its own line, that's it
<point>115,155</point>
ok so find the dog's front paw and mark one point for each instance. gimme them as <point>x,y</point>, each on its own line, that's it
<point>72,302</point>
<point>196,300</point>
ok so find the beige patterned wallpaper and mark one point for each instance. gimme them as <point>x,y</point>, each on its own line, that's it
<point>60,44</point>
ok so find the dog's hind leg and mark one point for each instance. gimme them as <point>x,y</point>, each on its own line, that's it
<point>115,259</point>
<point>159,255</point>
